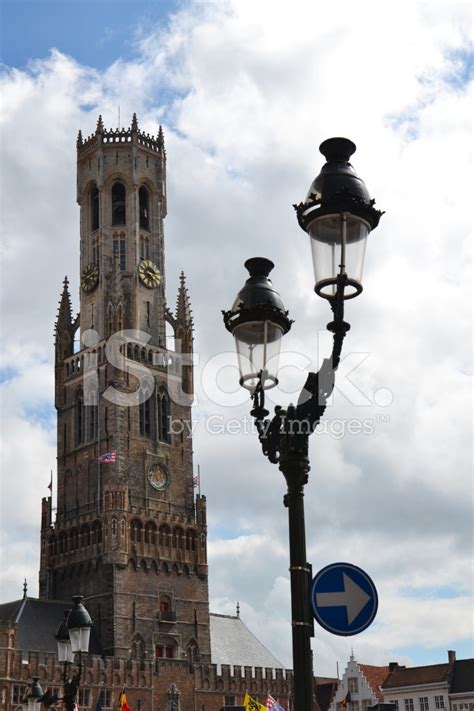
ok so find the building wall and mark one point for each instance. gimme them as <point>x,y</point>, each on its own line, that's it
<point>437,696</point>
<point>147,684</point>
<point>363,697</point>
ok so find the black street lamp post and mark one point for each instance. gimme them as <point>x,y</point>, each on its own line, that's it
<point>72,637</point>
<point>338,215</point>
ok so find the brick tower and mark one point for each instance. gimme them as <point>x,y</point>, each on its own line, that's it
<point>128,534</point>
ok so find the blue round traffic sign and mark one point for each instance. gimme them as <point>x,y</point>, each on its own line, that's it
<point>344,599</point>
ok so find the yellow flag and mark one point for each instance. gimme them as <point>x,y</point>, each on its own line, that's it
<point>252,705</point>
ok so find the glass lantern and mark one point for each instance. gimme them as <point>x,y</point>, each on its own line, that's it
<point>79,624</point>
<point>65,654</point>
<point>258,320</point>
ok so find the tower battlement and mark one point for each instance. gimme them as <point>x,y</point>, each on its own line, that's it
<point>120,136</point>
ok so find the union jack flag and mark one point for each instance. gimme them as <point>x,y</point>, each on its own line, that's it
<point>273,705</point>
<point>106,458</point>
<point>196,480</point>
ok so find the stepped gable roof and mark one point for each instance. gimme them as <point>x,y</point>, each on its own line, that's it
<point>412,676</point>
<point>463,676</point>
<point>37,622</point>
<point>233,643</point>
<point>375,676</point>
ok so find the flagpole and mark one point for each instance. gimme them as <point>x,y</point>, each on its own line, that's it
<point>199,479</point>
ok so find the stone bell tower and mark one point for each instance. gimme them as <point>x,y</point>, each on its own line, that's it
<point>129,533</point>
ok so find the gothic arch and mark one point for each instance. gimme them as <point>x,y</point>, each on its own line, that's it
<point>150,533</point>
<point>80,420</point>
<point>118,197</point>
<point>138,647</point>
<point>136,530</point>
<point>132,563</point>
<point>144,207</point>
<point>94,207</point>
<point>164,535</point>
<point>163,409</point>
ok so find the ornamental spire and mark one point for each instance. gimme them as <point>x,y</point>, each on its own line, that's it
<point>161,139</point>
<point>79,141</point>
<point>64,320</point>
<point>100,125</point>
<point>134,122</point>
<point>183,304</point>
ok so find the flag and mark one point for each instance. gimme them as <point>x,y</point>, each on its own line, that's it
<point>100,701</point>
<point>107,458</point>
<point>196,481</point>
<point>273,705</point>
<point>252,705</point>
<point>123,706</point>
<point>50,485</point>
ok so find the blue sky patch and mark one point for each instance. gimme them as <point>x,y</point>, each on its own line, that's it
<point>7,374</point>
<point>94,33</point>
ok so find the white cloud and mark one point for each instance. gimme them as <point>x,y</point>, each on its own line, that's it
<point>259,85</point>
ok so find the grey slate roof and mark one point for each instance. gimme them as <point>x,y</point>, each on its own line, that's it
<point>37,622</point>
<point>463,676</point>
<point>233,643</point>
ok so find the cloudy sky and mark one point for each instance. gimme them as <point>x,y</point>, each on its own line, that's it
<point>245,91</point>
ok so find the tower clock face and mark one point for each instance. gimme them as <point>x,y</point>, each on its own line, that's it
<point>149,274</point>
<point>90,277</point>
<point>158,477</point>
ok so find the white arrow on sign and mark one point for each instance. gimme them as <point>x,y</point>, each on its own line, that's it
<point>354,599</point>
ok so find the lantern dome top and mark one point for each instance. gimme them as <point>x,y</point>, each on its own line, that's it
<point>337,188</point>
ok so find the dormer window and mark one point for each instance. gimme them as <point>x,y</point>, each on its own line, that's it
<point>118,204</point>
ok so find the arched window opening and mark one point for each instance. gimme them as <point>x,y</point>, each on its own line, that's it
<point>177,537</point>
<point>92,423</point>
<point>138,648</point>
<point>192,654</point>
<point>163,535</point>
<point>96,533</point>
<point>110,320</point>
<point>119,318</point>
<point>94,209</point>
<point>163,417</point>
<point>136,531</point>
<point>80,418</point>
<point>144,200</point>
<point>86,536</point>
<point>118,204</point>
<point>145,417</point>
<point>150,533</point>
<point>190,541</point>
<point>114,526</point>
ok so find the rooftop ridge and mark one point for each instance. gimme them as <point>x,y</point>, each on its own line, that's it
<point>422,666</point>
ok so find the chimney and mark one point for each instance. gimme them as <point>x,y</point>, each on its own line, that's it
<point>451,656</point>
<point>392,666</point>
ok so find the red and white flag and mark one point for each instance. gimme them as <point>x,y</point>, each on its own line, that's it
<point>107,458</point>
